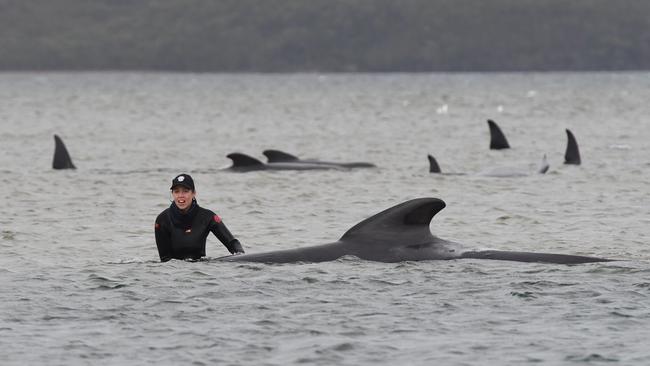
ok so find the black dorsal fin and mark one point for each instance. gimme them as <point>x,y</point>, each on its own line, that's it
<point>572,154</point>
<point>498,140</point>
<point>433,165</point>
<point>407,222</point>
<point>277,156</point>
<point>240,160</point>
<point>61,157</point>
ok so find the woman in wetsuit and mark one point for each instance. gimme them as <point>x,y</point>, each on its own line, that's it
<point>181,229</point>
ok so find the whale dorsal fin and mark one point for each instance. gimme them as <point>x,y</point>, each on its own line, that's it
<point>240,160</point>
<point>406,222</point>
<point>277,156</point>
<point>543,165</point>
<point>433,164</point>
<point>497,138</point>
<point>61,157</point>
<point>572,154</point>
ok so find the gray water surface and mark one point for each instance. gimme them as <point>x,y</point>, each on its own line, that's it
<point>79,272</point>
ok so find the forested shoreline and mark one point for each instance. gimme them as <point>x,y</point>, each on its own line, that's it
<point>325,35</point>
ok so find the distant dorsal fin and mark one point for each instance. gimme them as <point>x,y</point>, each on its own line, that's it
<point>61,157</point>
<point>433,165</point>
<point>572,154</point>
<point>407,222</point>
<point>240,160</point>
<point>543,166</point>
<point>497,138</point>
<point>277,156</point>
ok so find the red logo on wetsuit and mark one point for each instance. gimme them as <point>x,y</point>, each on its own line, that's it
<point>217,219</point>
<point>157,226</point>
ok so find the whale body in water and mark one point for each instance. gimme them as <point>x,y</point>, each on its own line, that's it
<point>278,156</point>
<point>401,233</point>
<point>501,172</point>
<point>245,163</point>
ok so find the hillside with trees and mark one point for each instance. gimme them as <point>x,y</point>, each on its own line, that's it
<point>325,35</point>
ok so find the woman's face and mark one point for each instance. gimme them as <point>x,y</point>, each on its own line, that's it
<point>182,197</point>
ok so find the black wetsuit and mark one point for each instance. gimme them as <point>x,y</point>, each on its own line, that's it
<point>182,236</point>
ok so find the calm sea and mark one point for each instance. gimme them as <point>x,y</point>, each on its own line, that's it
<point>79,273</point>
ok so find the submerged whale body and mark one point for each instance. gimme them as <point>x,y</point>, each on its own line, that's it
<point>401,233</point>
<point>501,172</point>
<point>61,159</point>
<point>245,163</point>
<point>498,140</point>
<point>277,156</point>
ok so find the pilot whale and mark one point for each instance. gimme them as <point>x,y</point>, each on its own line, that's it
<point>503,171</point>
<point>277,156</point>
<point>61,159</point>
<point>245,163</point>
<point>401,233</point>
<point>498,140</point>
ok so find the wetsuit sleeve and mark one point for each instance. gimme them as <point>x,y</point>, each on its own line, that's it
<point>163,240</point>
<point>220,230</point>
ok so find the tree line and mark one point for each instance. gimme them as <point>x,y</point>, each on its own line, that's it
<point>325,35</point>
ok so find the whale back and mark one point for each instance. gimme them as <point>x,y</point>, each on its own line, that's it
<point>277,156</point>
<point>401,233</point>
